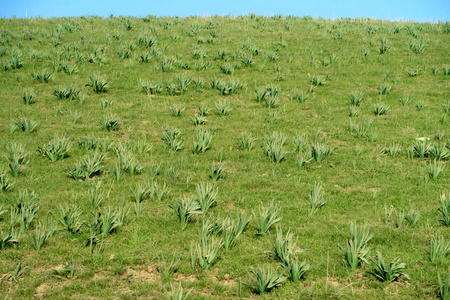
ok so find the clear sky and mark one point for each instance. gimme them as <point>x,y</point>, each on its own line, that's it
<point>414,10</point>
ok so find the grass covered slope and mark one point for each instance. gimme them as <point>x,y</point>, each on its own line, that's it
<point>141,154</point>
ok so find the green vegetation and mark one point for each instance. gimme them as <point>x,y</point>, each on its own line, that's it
<point>188,152</point>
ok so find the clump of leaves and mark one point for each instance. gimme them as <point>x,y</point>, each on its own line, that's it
<point>57,148</point>
<point>17,158</point>
<point>89,165</point>
<point>28,96</point>
<point>316,198</point>
<point>387,272</point>
<point>185,208</point>
<point>356,248</point>
<point>266,218</point>
<point>264,280</point>
<point>97,83</point>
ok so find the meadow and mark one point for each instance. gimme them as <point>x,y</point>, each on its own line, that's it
<point>224,157</point>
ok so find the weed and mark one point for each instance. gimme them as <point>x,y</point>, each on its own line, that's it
<point>439,249</point>
<point>202,140</point>
<point>246,142</point>
<point>390,272</point>
<point>24,124</point>
<point>223,108</point>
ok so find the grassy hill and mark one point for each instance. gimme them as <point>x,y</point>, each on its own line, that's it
<point>141,153</point>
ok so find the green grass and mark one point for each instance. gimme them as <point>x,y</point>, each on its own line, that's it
<point>153,111</point>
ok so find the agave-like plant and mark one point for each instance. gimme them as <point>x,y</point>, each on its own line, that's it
<point>264,280</point>
<point>206,193</point>
<point>266,218</point>
<point>17,158</point>
<point>316,198</point>
<point>185,208</point>
<point>387,272</point>
<point>57,148</point>
<point>205,252</point>
<point>356,248</point>
<point>97,83</point>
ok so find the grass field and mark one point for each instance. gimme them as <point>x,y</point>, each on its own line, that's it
<point>144,154</point>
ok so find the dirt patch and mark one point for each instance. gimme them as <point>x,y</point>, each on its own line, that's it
<point>148,275</point>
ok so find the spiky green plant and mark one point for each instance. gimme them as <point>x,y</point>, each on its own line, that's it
<point>97,83</point>
<point>320,150</point>
<point>385,89</point>
<point>273,146</point>
<point>223,108</point>
<point>433,169</point>
<point>167,267</point>
<point>176,110</point>
<point>69,92</point>
<point>246,142</point>
<point>69,218</point>
<point>57,148</point>
<point>17,158</point>
<point>39,237</point>
<point>384,45</point>
<point>202,140</point>
<point>266,218</point>
<point>185,208</point>
<point>299,96</point>
<point>160,191</point>
<point>263,280</point>
<point>285,247</point>
<point>316,198</point>
<point>6,183</point>
<point>439,152</point>
<point>179,294</point>
<point>444,211</point>
<point>109,122</point>
<point>206,194</point>
<point>216,171</point>
<point>42,76</point>
<point>390,272</point>
<point>171,137</point>
<point>28,96</point>
<point>205,252</point>
<point>439,249</point>
<point>405,100</point>
<point>24,124</point>
<point>381,109</point>
<point>356,248</point>
<point>412,218</point>
<point>89,165</point>
<point>421,148</point>
<point>295,269</point>
<point>95,195</point>
<point>198,119</point>
<point>356,97</point>
<point>444,287</point>
<point>392,150</point>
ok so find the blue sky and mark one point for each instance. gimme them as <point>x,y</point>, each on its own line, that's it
<point>419,11</point>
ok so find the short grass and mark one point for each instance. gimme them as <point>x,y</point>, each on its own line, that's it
<point>178,59</point>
